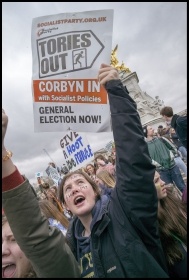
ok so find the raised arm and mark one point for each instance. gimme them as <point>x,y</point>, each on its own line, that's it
<point>7,165</point>
<point>135,190</point>
<point>45,247</point>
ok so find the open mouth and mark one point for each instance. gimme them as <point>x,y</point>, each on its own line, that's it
<point>78,200</point>
<point>8,270</point>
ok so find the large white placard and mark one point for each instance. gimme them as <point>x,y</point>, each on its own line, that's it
<point>67,51</point>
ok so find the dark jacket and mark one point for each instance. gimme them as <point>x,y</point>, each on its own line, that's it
<point>176,140</point>
<point>124,240</point>
<point>43,245</point>
<point>179,123</point>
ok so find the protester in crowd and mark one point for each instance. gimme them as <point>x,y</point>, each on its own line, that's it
<point>177,156</point>
<point>64,169</point>
<point>159,129</point>
<point>55,216</point>
<point>172,136</point>
<point>173,228</point>
<point>179,123</point>
<point>160,126</point>
<point>53,197</point>
<point>91,171</point>
<point>55,166</point>
<point>43,186</point>
<point>163,132</point>
<point>105,181</point>
<point>14,262</point>
<point>117,237</point>
<point>162,155</point>
<point>111,159</point>
<point>103,164</point>
<point>44,246</point>
<point>178,144</point>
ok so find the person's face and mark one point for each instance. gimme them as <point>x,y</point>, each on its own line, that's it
<point>14,262</point>
<point>114,154</point>
<point>150,131</point>
<point>160,186</point>
<point>79,195</point>
<point>39,180</point>
<point>100,162</point>
<point>90,169</point>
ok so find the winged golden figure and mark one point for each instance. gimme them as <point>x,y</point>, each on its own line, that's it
<point>115,62</point>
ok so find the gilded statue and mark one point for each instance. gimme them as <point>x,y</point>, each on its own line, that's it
<point>123,68</point>
<point>115,62</point>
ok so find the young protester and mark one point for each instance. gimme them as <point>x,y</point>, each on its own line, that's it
<point>173,228</point>
<point>105,181</point>
<point>44,246</point>
<point>177,155</point>
<point>14,262</point>
<point>179,123</point>
<point>110,238</point>
<point>111,159</point>
<point>103,164</point>
<point>64,169</point>
<point>55,167</point>
<point>91,171</point>
<point>117,237</point>
<point>163,153</point>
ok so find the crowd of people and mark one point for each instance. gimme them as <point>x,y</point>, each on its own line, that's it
<point>117,217</point>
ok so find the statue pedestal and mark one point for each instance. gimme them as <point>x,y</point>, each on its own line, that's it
<point>147,107</point>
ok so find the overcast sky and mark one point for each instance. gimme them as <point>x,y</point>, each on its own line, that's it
<point>151,40</point>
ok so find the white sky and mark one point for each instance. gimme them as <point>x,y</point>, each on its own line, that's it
<point>151,40</point>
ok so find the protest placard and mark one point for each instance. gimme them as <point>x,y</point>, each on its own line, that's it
<point>39,177</point>
<point>53,174</point>
<point>76,150</point>
<point>67,51</point>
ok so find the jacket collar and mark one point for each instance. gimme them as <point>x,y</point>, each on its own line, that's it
<point>97,228</point>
